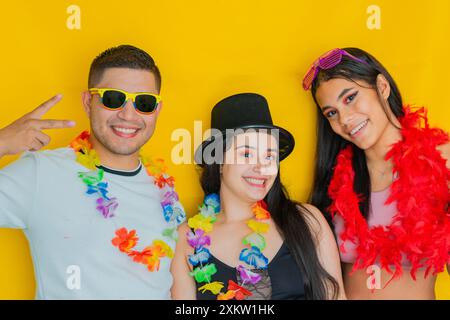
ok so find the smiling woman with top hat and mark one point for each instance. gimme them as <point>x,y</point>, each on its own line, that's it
<point>249,240</point>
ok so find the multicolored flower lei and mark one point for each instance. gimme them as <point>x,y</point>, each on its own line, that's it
<point>251,255</point>
<point>126,240</point>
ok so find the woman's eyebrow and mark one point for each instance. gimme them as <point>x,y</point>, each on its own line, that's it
<point>343,93</point>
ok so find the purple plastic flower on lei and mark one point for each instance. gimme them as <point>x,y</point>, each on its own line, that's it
<point>169,198</point>
<point>198,239</point>
<point>107,207</point>
<point>248,276</point>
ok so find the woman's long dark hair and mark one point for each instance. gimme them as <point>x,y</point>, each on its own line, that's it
<point>293,227</point>
<point>329,144</point>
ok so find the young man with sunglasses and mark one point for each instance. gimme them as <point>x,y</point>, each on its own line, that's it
<point>100,217</point>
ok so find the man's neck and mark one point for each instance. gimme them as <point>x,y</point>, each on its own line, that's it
<point>115,161</point>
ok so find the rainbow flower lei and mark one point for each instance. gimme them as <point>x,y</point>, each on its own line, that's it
<point>251,255</point>
<point>106,205</point>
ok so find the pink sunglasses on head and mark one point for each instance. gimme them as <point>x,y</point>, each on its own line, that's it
<point>326,61</point>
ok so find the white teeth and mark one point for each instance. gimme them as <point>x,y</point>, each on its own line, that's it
<point>255,181</point>
<point>124,130</point>
<point>355,130</point>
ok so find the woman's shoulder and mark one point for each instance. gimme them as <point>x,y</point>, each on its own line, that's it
<point>182,242</point>
<point>314,217</point>
<point>445,152</point>
<point>183,229</point>
<point>313,210</point>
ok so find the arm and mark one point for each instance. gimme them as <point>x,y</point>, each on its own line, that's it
<point>445,152</point>
<point>327,249</point>
<point>18,180</point>
<point>183,287</point>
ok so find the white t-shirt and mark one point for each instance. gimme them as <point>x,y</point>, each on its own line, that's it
<point>70,240</point>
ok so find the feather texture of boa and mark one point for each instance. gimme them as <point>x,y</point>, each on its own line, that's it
<point>420,230</point>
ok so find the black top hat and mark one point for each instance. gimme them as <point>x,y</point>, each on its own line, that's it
<point>245,111</point>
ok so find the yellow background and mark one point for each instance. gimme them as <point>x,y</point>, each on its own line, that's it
<point>207,50</point>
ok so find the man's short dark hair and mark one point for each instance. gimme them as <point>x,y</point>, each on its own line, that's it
<point>123,56</point>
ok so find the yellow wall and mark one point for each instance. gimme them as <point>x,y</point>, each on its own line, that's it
<point>207,50</point>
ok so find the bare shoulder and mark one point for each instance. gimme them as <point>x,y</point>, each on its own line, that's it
<point>183,229</point>
<point>314,218</point>
<point>445,152</point>
<point>183,249</point>
<point>182,244</point>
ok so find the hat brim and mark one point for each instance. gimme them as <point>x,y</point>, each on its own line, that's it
<point>286,141</point>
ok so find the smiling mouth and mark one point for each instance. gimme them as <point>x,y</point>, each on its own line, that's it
<point>256,182</point>
<point>358,128</point>
<point>125,132</point>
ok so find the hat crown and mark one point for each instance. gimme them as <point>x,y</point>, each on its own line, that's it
<point>241,110</point>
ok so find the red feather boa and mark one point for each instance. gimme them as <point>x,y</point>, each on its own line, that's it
<point>421,227</point>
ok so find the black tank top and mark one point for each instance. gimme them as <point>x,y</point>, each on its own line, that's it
<point>282,280</point>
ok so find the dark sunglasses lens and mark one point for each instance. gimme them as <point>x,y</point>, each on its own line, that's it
<point>113,99</point>
<point>146,103</point>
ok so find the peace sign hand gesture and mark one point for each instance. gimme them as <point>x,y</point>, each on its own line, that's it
<point>25,134</point>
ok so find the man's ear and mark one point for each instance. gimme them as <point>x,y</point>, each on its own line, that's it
<point>86,99</point>
<point>383,86</point>
<point>159,108</point>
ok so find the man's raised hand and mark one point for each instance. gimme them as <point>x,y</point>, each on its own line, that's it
<point>25,134</point>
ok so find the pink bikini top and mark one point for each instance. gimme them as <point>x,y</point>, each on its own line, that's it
<point>379,214</point>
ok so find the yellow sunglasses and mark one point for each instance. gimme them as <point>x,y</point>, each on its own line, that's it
<point>115,99</point>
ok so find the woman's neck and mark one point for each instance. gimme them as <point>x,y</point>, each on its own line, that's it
<point>376,154</point>
<point>234,208</point>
